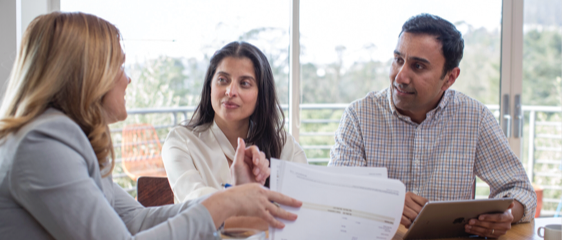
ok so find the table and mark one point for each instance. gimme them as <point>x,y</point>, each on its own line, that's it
<point>522,231</point>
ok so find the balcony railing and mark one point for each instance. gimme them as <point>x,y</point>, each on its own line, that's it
<point>542,142</point>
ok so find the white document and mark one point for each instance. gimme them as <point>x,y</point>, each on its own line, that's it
<point>336,205</point>
<point>360,171</point>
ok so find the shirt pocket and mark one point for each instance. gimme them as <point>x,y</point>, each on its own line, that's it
<point>452,177</point>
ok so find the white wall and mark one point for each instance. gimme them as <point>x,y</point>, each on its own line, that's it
<point>15,15</point>
<point>30,10</point>
<point>8,39</point>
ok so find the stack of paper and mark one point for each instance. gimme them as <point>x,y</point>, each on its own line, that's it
<point>338,202</point>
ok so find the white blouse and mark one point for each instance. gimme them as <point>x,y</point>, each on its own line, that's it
<point>196,163</point>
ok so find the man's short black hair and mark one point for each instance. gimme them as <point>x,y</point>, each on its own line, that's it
<point>451,39</point>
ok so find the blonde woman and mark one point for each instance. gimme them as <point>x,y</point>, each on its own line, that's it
<point>66,86</point>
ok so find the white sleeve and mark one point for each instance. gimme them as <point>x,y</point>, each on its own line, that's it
<point>292,151</point>
<point>184,178</point>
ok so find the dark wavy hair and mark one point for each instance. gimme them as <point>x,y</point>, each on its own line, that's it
<point>451,39</point>
<point>267,120</point>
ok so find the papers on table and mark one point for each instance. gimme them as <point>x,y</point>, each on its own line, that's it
<point>360,171</point>
<point>338,202</point>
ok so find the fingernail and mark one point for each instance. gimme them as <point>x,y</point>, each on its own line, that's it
<point>481,218</point>
<point>472,222</point>
<point>468,227</point>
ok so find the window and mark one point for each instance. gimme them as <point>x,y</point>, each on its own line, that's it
<point>541,97</point>
<point>347,51</point>
<point>169,44</point>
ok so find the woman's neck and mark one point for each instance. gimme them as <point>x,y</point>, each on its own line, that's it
<point>234,130</point>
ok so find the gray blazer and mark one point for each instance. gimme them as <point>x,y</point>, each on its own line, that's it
<point>51,187</point>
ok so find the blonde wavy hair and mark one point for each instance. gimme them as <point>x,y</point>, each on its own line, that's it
<point>67,61</point>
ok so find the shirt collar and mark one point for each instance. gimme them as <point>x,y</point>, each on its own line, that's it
<point>390,103</point>
<point>447,96</point>
<point>223,142</point>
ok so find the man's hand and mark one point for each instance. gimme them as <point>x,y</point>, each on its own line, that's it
<point>249,165</point>
<point>412,207</point>
<point>491,225</point>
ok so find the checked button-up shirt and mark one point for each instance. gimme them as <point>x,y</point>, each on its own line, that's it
<point>439,158</point>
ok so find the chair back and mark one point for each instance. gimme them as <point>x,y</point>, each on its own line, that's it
<point>539,193</point>
<point>154,191</point>
<point>140,152</point>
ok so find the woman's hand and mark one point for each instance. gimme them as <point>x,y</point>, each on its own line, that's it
<point>249,165</point>
<point>250,200</point>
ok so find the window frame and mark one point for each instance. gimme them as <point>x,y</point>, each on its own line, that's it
<point>510,74</point>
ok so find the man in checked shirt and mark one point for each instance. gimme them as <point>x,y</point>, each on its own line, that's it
<point>432,138</point>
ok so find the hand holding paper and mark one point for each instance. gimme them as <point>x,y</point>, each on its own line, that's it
<point>337,206</point>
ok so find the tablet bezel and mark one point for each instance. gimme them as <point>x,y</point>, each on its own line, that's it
<point>446,219</point>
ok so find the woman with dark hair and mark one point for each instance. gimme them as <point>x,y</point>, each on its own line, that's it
<point>238,100</point>
<point>56,156</point>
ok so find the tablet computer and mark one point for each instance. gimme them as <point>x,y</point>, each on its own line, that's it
<point>446,219</point>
